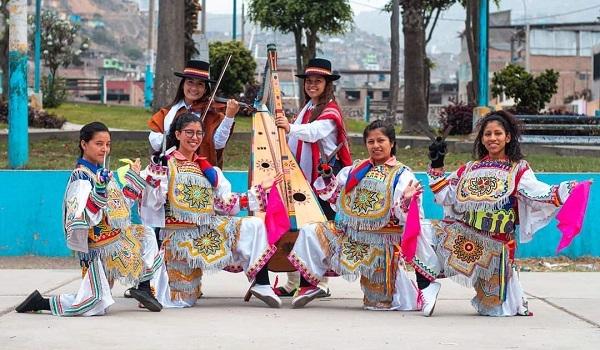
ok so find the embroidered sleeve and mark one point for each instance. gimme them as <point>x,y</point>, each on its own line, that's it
<point>134,185</point>
<point>400,204</point>
<point>257,198</point>
<point>444,187</point>
<point>533,190</point>
<point>330,191</point>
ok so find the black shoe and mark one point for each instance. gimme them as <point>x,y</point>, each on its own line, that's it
<point>30,303</point>
<point>323,294</point>
<point>146,299</point>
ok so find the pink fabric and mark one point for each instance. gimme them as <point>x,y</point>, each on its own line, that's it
<point>277,221</point>
<point>571,215</point>
<point>412,230</point>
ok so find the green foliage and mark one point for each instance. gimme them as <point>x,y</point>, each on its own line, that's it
<point>191,22</point>
<point>530,93</point>
<point>240,70</point>
<point>61,45</point>
<point>310,17</point>
<point>101,36</point>
<point>132,51</point>
<point>53,91</point>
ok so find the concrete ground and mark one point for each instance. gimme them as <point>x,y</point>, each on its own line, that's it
<point>566,307</point>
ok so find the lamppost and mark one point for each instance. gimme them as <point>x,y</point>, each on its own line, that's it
<point>526,23</point>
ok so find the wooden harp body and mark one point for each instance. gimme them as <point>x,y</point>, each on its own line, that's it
<point>271,155</point>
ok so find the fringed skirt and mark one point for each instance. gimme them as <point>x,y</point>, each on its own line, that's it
<point>320,248</point>
<point>483,261</point>
<point>231,243</point>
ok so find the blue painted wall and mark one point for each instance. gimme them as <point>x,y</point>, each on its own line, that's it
<point>31,224</point>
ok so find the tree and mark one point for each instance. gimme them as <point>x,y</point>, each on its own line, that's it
<point>395,59</point>
<point>240,70</point>
<point>170,53</point>
<point>472,35</point>
<point>530,93</point>
<point>4,44</point>
<point>61,46</point>
<point>309,18</point>
<point>192,7</point>
<point>419,18</point>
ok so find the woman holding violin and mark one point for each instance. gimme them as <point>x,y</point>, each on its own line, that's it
<point>193,95</point>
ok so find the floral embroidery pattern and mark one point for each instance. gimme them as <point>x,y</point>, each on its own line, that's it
<point>208,243</point>
<point>355,251</point>
<point>482,186</point>
<point>467,250</point>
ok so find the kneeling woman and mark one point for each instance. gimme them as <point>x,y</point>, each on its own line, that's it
<point>184,200</point>
<point>371,199</point>
<point>483,202</point>
<point>98,227</point>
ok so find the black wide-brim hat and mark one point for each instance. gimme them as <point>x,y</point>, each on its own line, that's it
<point>319,66</point>
<point>195,69</point>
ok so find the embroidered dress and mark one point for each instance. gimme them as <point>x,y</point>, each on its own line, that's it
<point>193,204</point>
<point>98,227</point>
<point>483,203</point>
<point>364,241</point>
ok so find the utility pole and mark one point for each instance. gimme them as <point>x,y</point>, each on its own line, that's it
<point>243,24</point>
<point>18,137</point>
<point>37,45</point>
<point>527,34</point>
<point>149,79</point>
<point>483,95</point>
<point>233,33</point>
<point>203,16</point>
<point>395,61</point>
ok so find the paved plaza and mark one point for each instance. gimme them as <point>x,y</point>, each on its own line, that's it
<point>566,308</point>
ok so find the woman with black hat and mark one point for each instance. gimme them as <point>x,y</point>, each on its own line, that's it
<point>193,95</point>
<point>317,137</point>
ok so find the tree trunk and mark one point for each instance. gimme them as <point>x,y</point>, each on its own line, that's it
<point>415,106</point>
<point>4,47</point>
<point>395,61</point>
<point>299,65</point>
<point>472,35</point>
<point>311,44</point>
<point>170,53</point>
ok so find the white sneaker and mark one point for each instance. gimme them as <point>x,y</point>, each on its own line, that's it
<point>265,293</point>
<point>430,297</point>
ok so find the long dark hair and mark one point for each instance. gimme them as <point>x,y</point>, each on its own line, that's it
<point>179,124</point>
<point>387,129</point>
<point>511,127</point>
<point>88,131</point>
<point>179,95</point>
<point>325,97</point>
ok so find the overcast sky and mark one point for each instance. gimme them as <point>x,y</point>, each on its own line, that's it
<point>226,6</point>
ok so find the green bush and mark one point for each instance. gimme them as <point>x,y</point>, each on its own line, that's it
<point>54,94</point>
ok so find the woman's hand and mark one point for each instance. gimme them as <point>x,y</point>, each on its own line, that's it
<point>136,166</point>
<point>413,188</point>
<point>232,108</point>
<point>269,183</point>
<point>282,122</point>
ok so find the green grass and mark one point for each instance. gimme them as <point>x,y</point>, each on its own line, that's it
<point>3,126</point>
<point>135,118</point>
<point>121,117</point>
<point>59,154</point>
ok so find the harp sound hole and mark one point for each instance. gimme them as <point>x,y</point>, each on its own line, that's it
<point>299,197</point>
<point>265,165</point>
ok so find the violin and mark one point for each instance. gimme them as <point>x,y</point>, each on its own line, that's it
<point>219,105</point>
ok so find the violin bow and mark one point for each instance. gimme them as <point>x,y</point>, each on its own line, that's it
<point>212,96</point>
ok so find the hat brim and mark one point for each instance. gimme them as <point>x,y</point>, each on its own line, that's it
<point>192,76</point>
<point>331,77</point>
